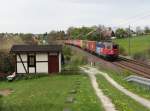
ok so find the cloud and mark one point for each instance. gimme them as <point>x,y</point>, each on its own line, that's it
<point>39,16</point>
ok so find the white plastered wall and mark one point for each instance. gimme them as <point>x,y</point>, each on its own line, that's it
<point>42,65</point>
<point>31,69</point>
<point>23,57</point>
<point>59,62</point>
<point>20,67</point>
<point>42,57</point>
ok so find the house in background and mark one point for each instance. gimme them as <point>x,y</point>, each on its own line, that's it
<point>37,58</point>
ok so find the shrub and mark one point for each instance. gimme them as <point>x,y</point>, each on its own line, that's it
<point>140,56</point>
<point>148,51</point>
<point>1,102</point>
<point>6,63</point>
<point>122,51</point>
<point>67,53</point>
<point>79,60</point>
<point>30,76</point>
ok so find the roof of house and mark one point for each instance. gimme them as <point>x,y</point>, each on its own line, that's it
<point>36,48</point>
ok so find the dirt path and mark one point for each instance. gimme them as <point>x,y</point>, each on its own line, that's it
<point>107,104</point>
<point>6,92</point>
<point>137,98</point>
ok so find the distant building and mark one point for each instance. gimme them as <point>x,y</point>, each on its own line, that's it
<point>37,58</point>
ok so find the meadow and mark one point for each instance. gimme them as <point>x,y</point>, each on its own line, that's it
<point>140,44</point>
<point>50,94</point>
<point>121,101</point>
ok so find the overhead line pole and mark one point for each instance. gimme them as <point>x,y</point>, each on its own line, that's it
<point>129,43</point>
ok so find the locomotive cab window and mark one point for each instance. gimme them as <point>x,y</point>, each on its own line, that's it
<point>31,61</point>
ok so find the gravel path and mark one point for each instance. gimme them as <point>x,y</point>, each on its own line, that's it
<point>137,98</point>
<point>107,104</point>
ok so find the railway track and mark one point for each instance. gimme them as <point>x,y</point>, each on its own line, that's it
<point>134,66</point>
<point>138,68</point>
<point>135,62</point>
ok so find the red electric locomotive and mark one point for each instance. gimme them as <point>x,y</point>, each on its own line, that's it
<point>105,49</point>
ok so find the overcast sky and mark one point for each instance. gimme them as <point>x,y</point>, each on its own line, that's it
<point>39,16</point>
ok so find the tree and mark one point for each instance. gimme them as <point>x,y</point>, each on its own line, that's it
<point>69,32</point>
<point>78,33</point>
<point>121,33</point>
<point>147,29</point>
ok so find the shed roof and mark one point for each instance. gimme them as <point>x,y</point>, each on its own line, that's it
<point>36,48</point>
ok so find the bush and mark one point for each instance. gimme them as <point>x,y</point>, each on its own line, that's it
<point>148,51</point>
<point>67,53</point>
<point>6,63</point>
<point>1,102</point>
<point>79,60</point>
<point>122,51</point>
<point>73,59</point>
<point>140,56</point>
<point>30,76</point>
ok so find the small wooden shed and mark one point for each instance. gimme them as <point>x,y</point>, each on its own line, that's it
<point>37,58</point>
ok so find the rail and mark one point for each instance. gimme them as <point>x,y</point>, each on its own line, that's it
<point>133,65</point>
<point>134,61</point>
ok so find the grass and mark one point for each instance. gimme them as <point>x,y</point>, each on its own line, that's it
<point>119,77</point>
<point>131,86</point>
<point>49,94</point>
<point>121,101</point>
<point>138,44</point>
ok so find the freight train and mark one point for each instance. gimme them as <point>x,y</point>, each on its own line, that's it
<point>108,50</point>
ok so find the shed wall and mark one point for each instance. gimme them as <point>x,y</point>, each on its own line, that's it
<point>20,68</point>
<point>42,67</point>
<point>59,62</point>
<point>19,65</point>
<point>31,69</point>
<point>23,56</point>
<point>41,63</point>
<point>42,57</point>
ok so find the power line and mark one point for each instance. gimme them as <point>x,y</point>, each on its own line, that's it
<point>134,19</point>
<point>137,15</point>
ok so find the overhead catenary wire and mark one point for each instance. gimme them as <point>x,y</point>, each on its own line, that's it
<point>135,19</point>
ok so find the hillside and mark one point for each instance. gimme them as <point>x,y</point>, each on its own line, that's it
<point>140,44</point>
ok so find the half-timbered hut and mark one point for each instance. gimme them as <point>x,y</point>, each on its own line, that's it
<point>37,58</point>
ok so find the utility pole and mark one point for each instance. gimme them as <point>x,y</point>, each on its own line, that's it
<point>129,43</point>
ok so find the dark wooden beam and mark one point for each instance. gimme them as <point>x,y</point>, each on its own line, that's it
<point>23,64</point>
<point>28,62</point>
<point>16,63</point>
<point>35,63</point>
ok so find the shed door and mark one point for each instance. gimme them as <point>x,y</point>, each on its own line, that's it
<point>53,63</point>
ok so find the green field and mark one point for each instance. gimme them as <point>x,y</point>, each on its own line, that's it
<point>119,77</point>
<point>50,94</point>
<point>131,86</point>
<point>138,44</point>
<point>121,101</point>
